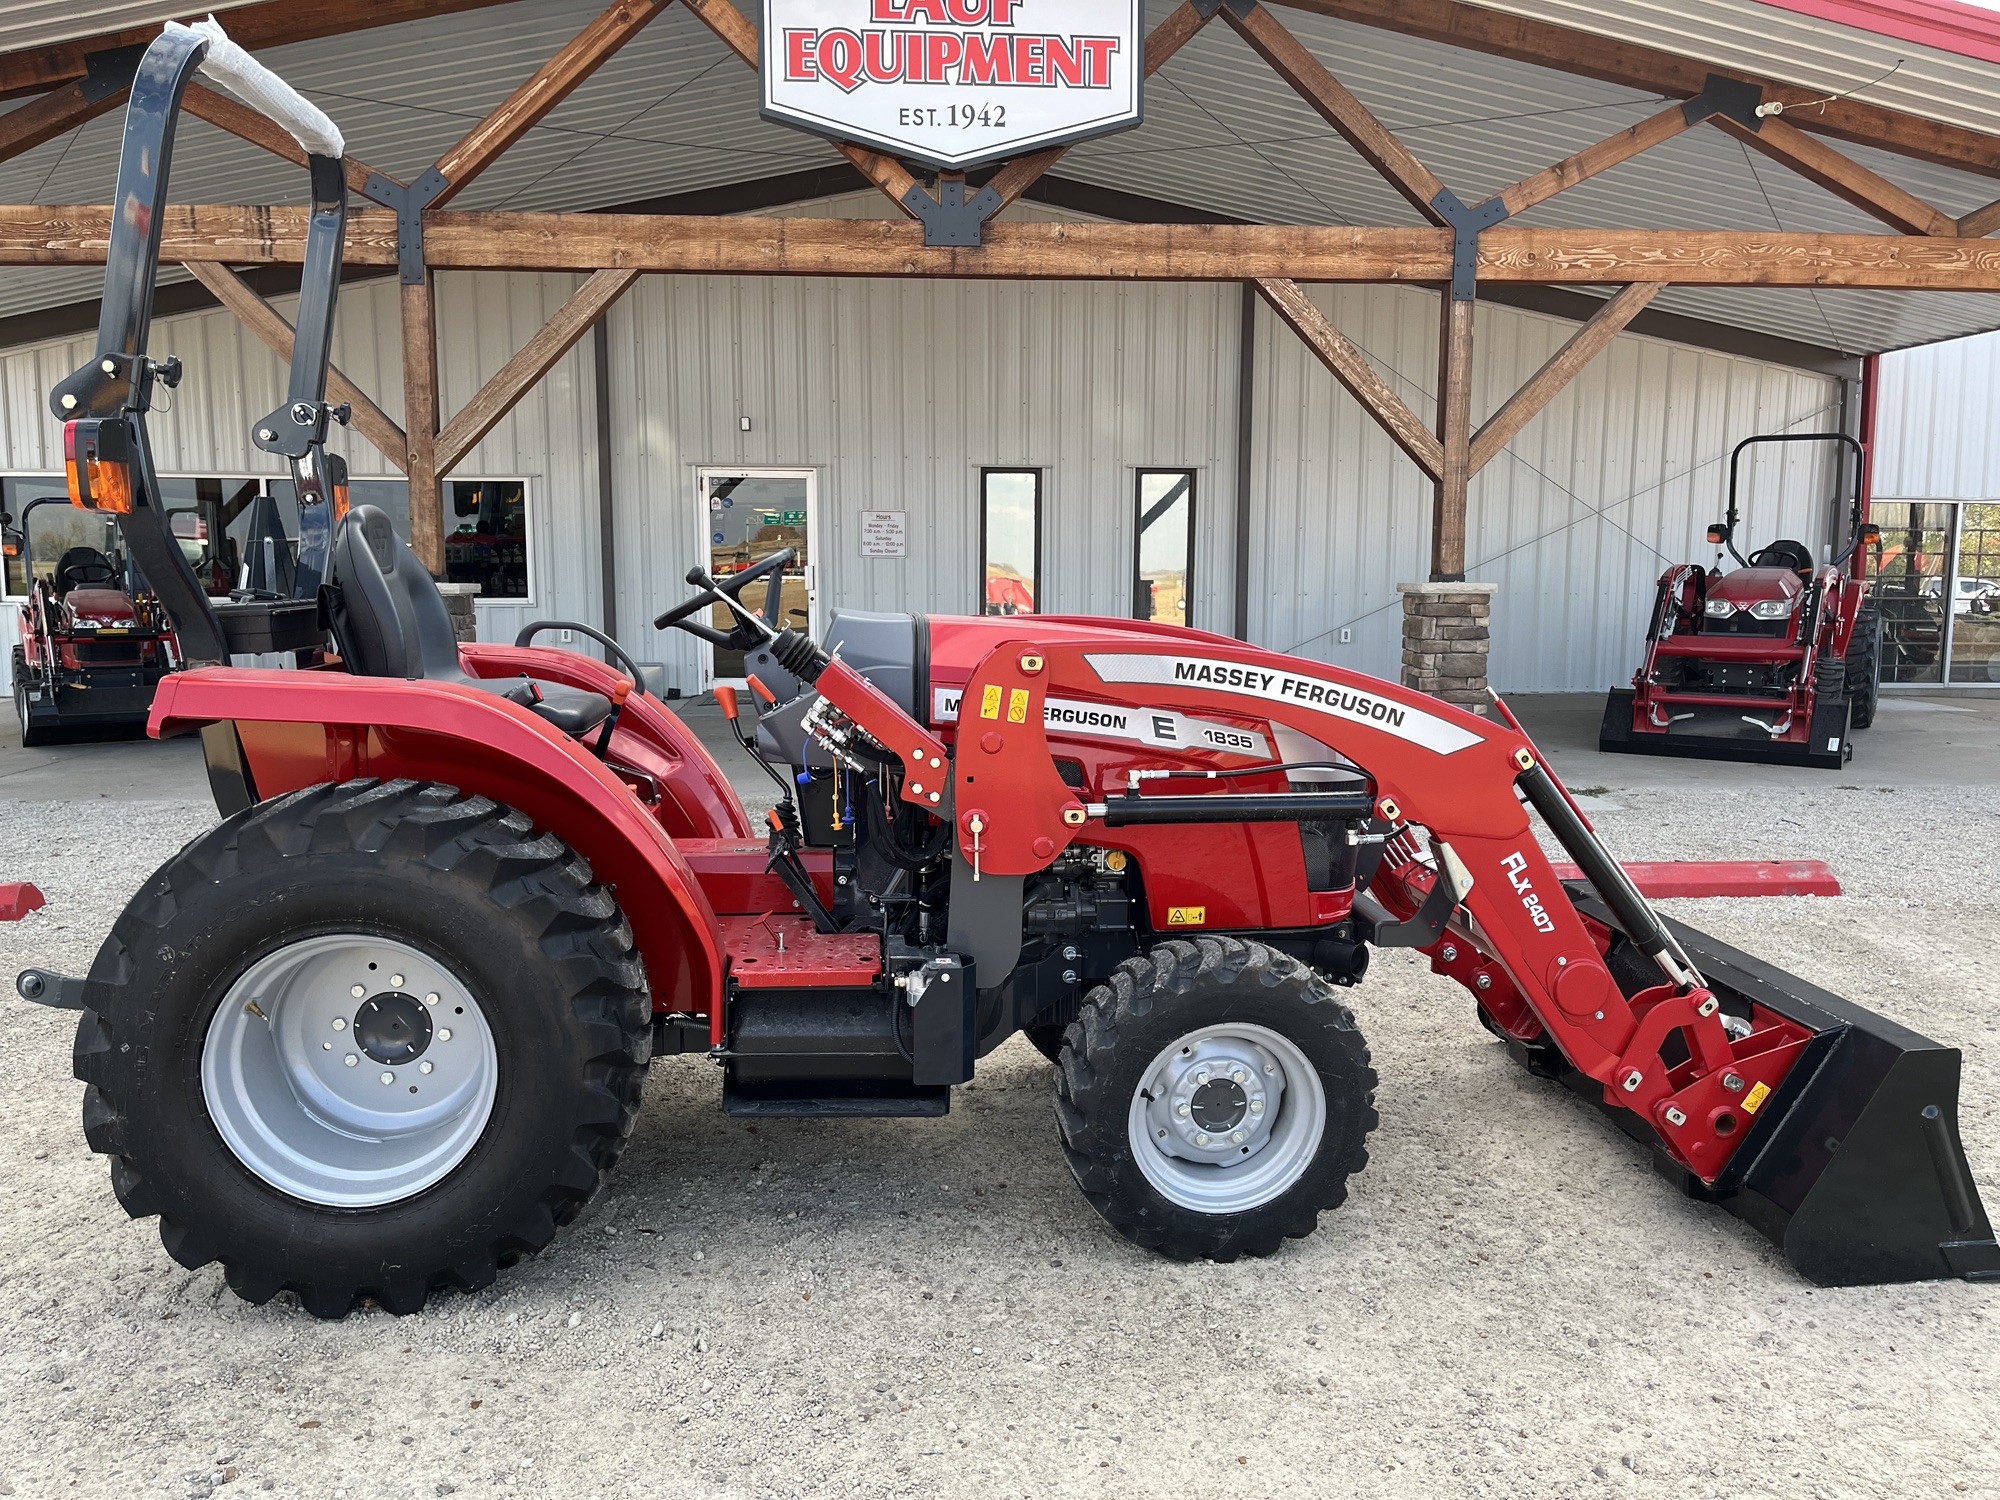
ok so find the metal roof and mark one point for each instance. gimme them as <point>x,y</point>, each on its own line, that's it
<point>674,111</point>
<point>40,23</point>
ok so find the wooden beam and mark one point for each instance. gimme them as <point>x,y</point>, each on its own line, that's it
<point>535,359</point>
<point>55,113</point>
<point>1563,366</point>
<point>239,236</point>
<point>1591,160</point>
<point>420,416</point>
<point>737,34</point>
<point>264,320</point>
<point>1843,176</point>
<point>1162,42</point>
<point>1291,60</point>
<point>552,83</point>
<point>1980,222</point>
<point>270,24</point>
<point>1651,70</point>
<point>1454,477</point>
<point>259,130</point>
<point>1351,368</point>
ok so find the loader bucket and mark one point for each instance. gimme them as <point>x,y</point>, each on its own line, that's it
<point>1722,734</point>
<point>1853,1167</point>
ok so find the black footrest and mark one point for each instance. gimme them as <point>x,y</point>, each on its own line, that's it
<point>837,1100</point>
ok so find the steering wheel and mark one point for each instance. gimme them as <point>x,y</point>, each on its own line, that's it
<point>527,633</point>
<point>84,568</point>
<point>1794,555</point>
<point>741,637</point>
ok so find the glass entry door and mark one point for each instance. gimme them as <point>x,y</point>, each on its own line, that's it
<point>1975,602</point>
<point>747,515</point>
<point>1910,567</point>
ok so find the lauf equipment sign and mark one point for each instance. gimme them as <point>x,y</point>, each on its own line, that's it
<point>953,83</point>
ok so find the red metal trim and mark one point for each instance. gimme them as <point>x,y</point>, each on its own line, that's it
<point>1871,408</point>
<point>1967,30</point>
<point>17,900</point>
<point>786,953</point>
<point>1668,879</point>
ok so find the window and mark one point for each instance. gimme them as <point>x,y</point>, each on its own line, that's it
<point>211,518</point>
<point>1010,540</point>
<point>486,536</point>
<point>1166,545</point>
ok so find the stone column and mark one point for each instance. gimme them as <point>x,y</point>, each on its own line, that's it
<point>1446,633</point>
<point>458,599</point>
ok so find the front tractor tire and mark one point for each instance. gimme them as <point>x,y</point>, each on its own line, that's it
<point>1213,1099</point>
<point>364,1041</point>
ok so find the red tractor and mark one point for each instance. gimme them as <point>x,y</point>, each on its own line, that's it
<point>385,1028</point>
<point>1776,661</point>
<point>94,640</point>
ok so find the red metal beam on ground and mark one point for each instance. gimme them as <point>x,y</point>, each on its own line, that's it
<point>1666,879</point>
<point>16,901</point>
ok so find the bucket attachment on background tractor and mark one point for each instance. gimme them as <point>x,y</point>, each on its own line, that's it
<point>385,1027</point>
<point>1777,661</point>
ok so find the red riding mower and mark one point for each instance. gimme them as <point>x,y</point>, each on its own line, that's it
<point>1777,661</point>
<point>94,640</point>
<point>385,1027</point>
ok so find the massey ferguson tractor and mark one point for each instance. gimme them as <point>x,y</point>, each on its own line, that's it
<point>94,643</point>
<point>1778,660</point>
<point>384,1028</point>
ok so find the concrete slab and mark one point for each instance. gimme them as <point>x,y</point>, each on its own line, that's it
<point>1938,740</point>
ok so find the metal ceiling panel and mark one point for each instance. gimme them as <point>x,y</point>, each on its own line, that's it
<point>41,23</point>
<point>675,111</point>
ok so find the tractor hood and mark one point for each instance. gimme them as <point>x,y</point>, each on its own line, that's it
<point>107,608</point>
<point>1748,586</point>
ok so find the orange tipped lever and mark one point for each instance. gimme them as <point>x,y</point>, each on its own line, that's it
<point>725,698</point>
<point>757,686</point>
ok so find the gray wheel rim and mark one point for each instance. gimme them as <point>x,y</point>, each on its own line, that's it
<point>1227,1119</point>
<point>349,1070</point>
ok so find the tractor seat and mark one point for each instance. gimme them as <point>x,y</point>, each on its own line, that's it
<point>84,568</point>
<point>391,621</point>
<point>1788,554</point>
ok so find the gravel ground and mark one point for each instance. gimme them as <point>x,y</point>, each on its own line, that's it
<point>1511,1303</point>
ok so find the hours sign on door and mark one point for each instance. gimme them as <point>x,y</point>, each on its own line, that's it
<point>953,83</point>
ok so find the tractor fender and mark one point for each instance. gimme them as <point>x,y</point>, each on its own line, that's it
<point>298,729</point>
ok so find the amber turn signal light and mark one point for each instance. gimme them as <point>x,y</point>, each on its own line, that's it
<point>97,462</point>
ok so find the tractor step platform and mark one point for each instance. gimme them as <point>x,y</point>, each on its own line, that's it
<point>818,1100</point>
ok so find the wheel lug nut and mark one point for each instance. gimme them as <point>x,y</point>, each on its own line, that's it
<point>1238,1075</point>
<point>1257,1105</point>
<point>351,1059</point>
<point>444,1034</point>
<point>1200,1139</point>
<point>426,1066</point>
<point>430,999</point>
<point>388,1077</point>
<point>1181,1109</point>
<point>1236,1137</point>
<point>395,981</point>
<point>358,991</point>
<point>340,1023</point>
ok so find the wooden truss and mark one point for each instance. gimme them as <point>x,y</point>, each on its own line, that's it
<point>1456,247</point>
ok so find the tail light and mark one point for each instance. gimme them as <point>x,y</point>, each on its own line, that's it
<point>97,462</point>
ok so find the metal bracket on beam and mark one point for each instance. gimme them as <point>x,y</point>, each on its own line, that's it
<point>951,219</point>
<point>409,204</point>
<point>1466,225</point>
<point>1207,9</point>
<point>106,72</point>
<point>1731,98</point>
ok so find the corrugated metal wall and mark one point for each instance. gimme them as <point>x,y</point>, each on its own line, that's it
<point>897,392</point>
<point>1934,431</point>
<point>1575,520</point>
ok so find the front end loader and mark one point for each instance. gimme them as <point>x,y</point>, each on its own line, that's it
<point>386,1027</point>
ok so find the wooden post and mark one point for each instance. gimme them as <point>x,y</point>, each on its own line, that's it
<point>420,421</point>
<point>1454,438</point>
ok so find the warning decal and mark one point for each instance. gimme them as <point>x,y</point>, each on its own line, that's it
<point>1352,705</point>
<point>1157,727</point>
<point>1187,916</point>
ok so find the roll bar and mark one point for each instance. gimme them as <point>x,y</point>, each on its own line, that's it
<point>1728,527</point>
<point>103,404</point>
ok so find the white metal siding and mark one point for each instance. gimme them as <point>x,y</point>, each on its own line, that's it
<point>897,392</point>
<point>1935,437</point>
<point>1575,520</point>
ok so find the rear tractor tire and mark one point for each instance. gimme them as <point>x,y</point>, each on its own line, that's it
<point>364,1041</point>
<point>1864,667</point>
<point>1214,1098</point>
